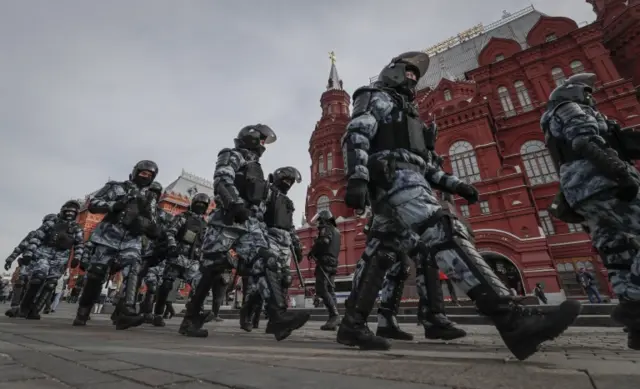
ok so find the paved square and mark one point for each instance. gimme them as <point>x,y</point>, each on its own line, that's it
<point>50,353</point>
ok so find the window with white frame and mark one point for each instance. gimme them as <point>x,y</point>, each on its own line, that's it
<point>505,101</point>
<point>323,204</point>
<point>558,76</point>
<point>550,37</point>
<point>577,67</point>
<point>464,210</point>
<point>523,96</point>
<point>329,162</point>
<point>321,164</point>
<point>484,207</point>
<point>546,223</point>
<point>537,162</point>
<point>499,57</point>
<point>464,162</point>
<point>447,95</point>
<point>573,227</point>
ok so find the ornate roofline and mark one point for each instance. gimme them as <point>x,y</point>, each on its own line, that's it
<point>198,180</point>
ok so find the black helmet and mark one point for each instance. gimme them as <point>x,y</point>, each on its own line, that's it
<point>254,138</point>
<point>156,188</point>
<point>284,177</point>
<point>50,216</point>
<point>394,74</point>
<point>69,210</point>
<point>323,217</point>
<point>200,203</point>
<point>142,166</point>
<point>577,88</point>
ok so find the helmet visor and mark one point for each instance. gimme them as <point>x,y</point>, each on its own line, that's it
<point>267,133</point>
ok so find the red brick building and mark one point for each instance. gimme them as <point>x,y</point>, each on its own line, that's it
<point>486,88</point>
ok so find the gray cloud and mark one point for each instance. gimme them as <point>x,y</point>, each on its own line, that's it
<point>89,88</point>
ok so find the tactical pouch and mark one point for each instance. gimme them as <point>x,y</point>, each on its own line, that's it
<point>382,173</point>
<point>189,237</point>
<point>63,242</point>
<point>560,209</point>
<point>257,191</point>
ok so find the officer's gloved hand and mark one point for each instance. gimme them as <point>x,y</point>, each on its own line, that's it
<point>237,213</point>
<point>356,194</point>
<point>74,263</point>
<point>7,264</point>
<point>26,259</point>
<point>628,189</point>
<point>118,206</point>
<point>468,192</point>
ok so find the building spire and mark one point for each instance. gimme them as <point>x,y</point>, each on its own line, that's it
<point>335,83</point>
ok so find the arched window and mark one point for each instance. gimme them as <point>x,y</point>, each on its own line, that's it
<point>447,95</point>
<point>537,163</point>
<point>546,223</point>
<point>577,67</point>
<point>329,162</point>
<point>321,164</point>
<point>464,162</point>
<point>523,96</point>
<point>505,100</point>
<point>323,203</point>
<point>558,76</point>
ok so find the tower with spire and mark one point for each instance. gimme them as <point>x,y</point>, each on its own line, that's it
<point>326,188</point>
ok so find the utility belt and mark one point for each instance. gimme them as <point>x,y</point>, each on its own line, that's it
<point>383,171</point>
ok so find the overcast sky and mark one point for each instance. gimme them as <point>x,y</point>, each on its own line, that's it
<point>88,88</point>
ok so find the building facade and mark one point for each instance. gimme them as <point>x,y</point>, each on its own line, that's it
<point>486,89</point>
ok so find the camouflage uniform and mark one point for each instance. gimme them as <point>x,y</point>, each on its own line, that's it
<point>48,252</point>
<point>388,162</point>
<point>117,240</point>
<point>600,187</point>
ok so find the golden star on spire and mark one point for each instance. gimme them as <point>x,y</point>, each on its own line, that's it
<point>332,57</point>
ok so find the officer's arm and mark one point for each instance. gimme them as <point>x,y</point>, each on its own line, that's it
<point>102,202</point>
<point>227,165</point>
<point>173,229</point>
<point>88,246</point>
<point>323,240</point>
<point>581,131</point>
<point>440,179</point>
<point>38,237</point>
<point>78,244</point>
<point>368,108</point>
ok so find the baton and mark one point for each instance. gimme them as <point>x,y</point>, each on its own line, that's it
<point>295,260</point>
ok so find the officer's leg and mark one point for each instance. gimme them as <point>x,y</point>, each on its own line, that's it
<point>323,290</point>
<point>615,231</point>
<point>251,301</point>
<point>39,272</point>
<point>146,306</point>
<point>267,268</point>
<point>522,329</point>
<point>128,316</point>
<point>96,274</point>
<point>390,297</point>
<point>434,319</point>
<point>376,260</point>
<point>44,298</point>
<point>169,276</point>
<point>218,290</point>
<point>18,291</point>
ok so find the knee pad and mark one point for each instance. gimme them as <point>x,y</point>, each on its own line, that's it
<point>269,260</point>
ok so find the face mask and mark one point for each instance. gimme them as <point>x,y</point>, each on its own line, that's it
<point>69,215</point>
<point>199,208</point>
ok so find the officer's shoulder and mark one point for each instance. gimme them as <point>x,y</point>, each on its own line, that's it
<point>568,110</point>
<point>369,98</point>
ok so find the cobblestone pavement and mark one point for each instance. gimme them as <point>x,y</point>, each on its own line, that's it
<point>51,354</point>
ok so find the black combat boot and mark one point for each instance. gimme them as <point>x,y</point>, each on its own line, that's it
<point>353,330</point>
<point>193,320</point>
<point>437,325</point>
<point>45,295</point>
<point>18,290</point>
<point>246,310</point>
<point>89,296</point>
<point>281,322</point>
<point>523,329</point>
<point>627,313</point>
<point>146,306</point>
<point>29,301</point>
<point>161,302</point>
<point>334,318</point>
<point>257,312</point>
<point>128,316</point>
<point>387,322</point>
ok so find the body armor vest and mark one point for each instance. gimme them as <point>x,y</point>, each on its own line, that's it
<point>191,231</point>
<point>59,237</point>
<point>251,185</point>
<point>333,248</point>
<point>403,132</point>
<point>279,212</point>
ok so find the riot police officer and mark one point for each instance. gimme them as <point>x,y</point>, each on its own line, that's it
<point>598,187</point>
<point>388,162</point>
<point>325,251</point>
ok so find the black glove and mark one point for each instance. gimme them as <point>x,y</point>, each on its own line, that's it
<point>467,192</point>
<point>236,213</point>
<point>7,264</point>
<point>118,206</point>
<point>628,189</point>
<point>356,194</point>
<point>25,260</point>
<point>74,263</point>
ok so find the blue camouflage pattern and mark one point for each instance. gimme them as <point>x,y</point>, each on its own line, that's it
<point>153,278</point>
<point>186,265</point>
<point>574,123</point>
<point>409,202</point>
<point>614,227</point>
<point>164,219</point>
<point>229,162</point>
<point>21,247</point>
<point>50,262</point>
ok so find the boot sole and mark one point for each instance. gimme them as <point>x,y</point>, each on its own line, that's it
<point>125,324</point>
<point>450,335</point>
<point>294,326</point>
<point>395,336</point>
<point>566,315</point>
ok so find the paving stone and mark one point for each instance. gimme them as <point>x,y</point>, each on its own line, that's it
<point>196,385</point>
<point>18,373</point>
<point>109,365</point>
<point>609,381</point>
<point>65,371</point>
<point>153,377</point>
<point>33,384</point>
<point>120,384</point>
